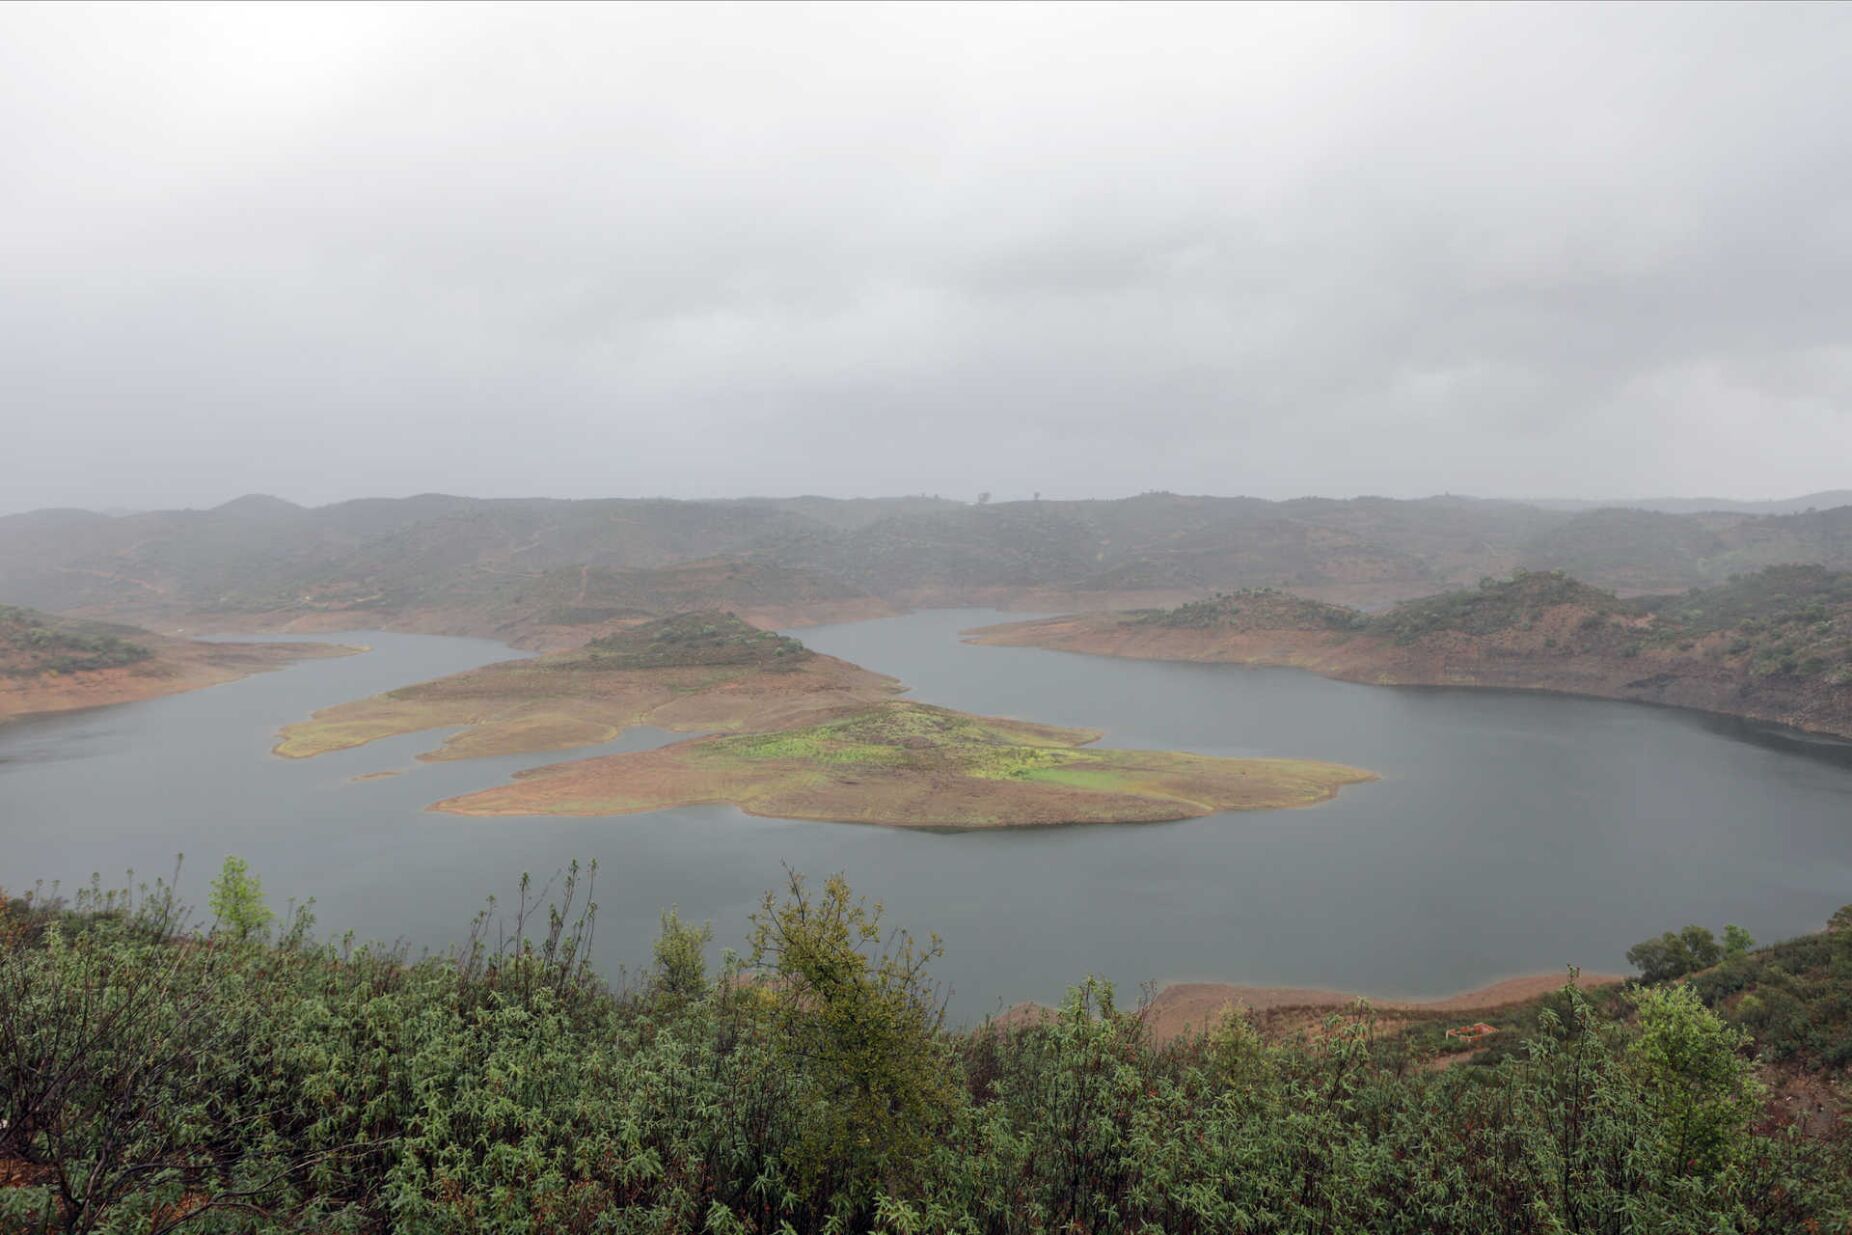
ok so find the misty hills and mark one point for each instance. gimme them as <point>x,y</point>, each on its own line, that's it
<point>515,567</point>
<point>1824,500</point>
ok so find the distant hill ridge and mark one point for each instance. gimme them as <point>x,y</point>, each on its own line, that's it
<point>1824,500</point>
<point>548,571</point>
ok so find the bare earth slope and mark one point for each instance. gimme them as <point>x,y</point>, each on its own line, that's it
<point>801,736</point>
<point>1773,646</point>
<point>696,672</point>
<point>55,664</point>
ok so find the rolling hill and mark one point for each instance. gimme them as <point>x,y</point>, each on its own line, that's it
<point>548,573</point>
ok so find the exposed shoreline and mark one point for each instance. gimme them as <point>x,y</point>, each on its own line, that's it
<point>179,665</point>
<point>1183,1008</point>
<point>790,734</point>
<point>1373,660</point>
<point>1150,789</point>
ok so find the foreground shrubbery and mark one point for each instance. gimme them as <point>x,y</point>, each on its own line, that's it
<point>237,1080</point>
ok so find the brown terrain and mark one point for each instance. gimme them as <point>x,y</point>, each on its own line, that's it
<point>695,673</point>
<point>1785,661</point>
<point>51,664</point>
<point>787,733</point>
<point>908,765</point>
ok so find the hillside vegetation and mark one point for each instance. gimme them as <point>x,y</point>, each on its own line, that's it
<point>249,1079</point>
<point>1786,619</point>
<point>1775,644</point>
<point>686,640</point>
<point>1255,609</point>
<point>33,643</point>
<point>50,663</point>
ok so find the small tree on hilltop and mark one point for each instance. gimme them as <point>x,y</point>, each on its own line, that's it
<point>237,900</point>
<point>1736,941</point>
<point>1673,955</point>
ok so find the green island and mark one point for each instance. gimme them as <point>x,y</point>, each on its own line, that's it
<point>788,733</point>
<point>160,1074</point>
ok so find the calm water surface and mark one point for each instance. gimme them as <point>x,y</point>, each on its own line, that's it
<point>1509,833</point>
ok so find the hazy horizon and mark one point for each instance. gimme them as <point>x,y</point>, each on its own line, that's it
<point>967,499</point>
<point>330,252</point>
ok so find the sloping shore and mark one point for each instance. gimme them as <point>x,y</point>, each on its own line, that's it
<point>162,665</point>
<point>906,764</point>
<point>791,734</point>
<point>1563,638</point>
<point>693,674</point>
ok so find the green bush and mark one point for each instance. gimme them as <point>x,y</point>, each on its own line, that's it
<point>152,1077</point>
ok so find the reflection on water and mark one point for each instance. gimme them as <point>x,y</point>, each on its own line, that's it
<point>1510,832</point>
<point>1790,741</point>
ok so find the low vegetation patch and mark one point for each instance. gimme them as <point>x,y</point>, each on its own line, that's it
<point>33,643</point>
<point>1256,609</point>
<point>687,639</point>
<point>1495,605</point>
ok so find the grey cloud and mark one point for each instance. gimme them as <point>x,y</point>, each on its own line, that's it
<point>333,251</point>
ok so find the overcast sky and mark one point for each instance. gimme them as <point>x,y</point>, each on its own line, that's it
<point>333,251</point>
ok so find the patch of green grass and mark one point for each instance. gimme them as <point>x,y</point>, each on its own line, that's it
<point>907,734</point>
<point>806,745</point>
<point>1094,779</point>
<point>1014,762</point>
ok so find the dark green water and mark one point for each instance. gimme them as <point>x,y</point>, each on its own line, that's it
<point>1510,832</point>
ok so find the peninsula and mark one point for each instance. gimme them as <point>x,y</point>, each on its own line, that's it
<point>1775,645</point>
<point>50,663</point>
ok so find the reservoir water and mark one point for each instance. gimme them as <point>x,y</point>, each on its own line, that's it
<point>1509,833</point>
